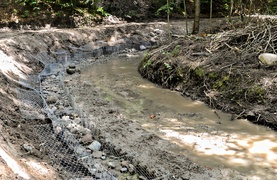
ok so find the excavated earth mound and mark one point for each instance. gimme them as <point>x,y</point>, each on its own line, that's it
<point>222,70</point>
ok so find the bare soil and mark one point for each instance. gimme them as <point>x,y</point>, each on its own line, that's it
<point>17,50</point>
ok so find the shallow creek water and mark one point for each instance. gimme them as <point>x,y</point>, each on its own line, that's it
<point>206,136</point>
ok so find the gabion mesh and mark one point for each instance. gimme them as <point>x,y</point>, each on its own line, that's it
<point>44,58</point>
<point>63,156</point>
<point>31,104</point>
<point>31,81</point>
<point>62,146</point>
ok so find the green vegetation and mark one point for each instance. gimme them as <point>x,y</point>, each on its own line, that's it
<point>147,63</point>
<point>199,72</point>
<point>167,66</point>
<point>221,83</point>
<point>172,53</point>
<point>168,8</point>
<point>272,9</point>
<point>58,6</point>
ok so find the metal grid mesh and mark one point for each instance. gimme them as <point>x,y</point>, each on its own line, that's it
<point>31,82</point>
<point>64,157</point>
<point>31,104</point>
<point>62,145</point>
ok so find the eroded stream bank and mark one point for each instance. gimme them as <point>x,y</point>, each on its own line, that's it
<point>48,122</point>
<point>206,136</point>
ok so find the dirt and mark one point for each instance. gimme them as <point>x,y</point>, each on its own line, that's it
<point>18,63</point>
<point>222,70</point>
<point>18,49</point>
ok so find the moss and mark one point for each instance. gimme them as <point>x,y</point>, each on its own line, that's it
<point>212,76</point>
<point>256,94</point>
<point>222,83</point>
<point>147,63</point>
<point>199,72</point>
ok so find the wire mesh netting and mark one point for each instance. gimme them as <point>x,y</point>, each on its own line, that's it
<point>31,104</point>
<point>61,139</point>
<point>62,150</point>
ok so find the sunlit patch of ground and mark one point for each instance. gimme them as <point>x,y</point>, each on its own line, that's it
<point>235,149</point>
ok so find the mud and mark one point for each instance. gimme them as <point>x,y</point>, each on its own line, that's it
<point>20,52</point>
<point>207,136</point>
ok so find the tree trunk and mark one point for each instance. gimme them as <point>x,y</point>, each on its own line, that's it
<point>231,9</point>
<point>168,22</point>
<point>211,15</point>
<point>196,17</point>
<point>186,16</point>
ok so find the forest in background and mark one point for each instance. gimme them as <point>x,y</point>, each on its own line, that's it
<point>64,11</point>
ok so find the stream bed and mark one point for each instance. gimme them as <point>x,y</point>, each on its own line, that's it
<point>207,136</point>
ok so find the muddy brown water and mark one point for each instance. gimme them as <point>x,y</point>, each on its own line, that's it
<point>206,136</point>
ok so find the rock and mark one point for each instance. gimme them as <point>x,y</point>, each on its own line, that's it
<point>55,89</point>
<point>107,175</point>
<point>78,70</point>
<point>72,66</point>
<point>95,146</point>
<point>103,157</point>
<point>97,52</point>
<point>186,176</point>
<point>131,169</point>
<point>152,34</point>
<point>125,163</point>
<point>87,84</point>
<point>97,154</point>
<point>93,171</point>
<point>107,50</point>
<point>111,165</point>
<point>268,59</point>
<point>81,151</point>
<point>27,147</point>
<point>82,130</point>
<point>70,70</point>
<point>65,118</point>
<point>124,170</point>
<point>94,45</point>
<point>158,31</point>
<point>98,176</point>
<point>86,139</point>
<point>51,99</point>
<point>142,47</point>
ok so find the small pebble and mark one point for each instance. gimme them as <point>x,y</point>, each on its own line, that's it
<point>111,165</point>
<point>124,170</point>
<point>103,157</point>
<point>27,147</point>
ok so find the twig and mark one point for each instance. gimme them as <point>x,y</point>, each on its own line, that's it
<point>258,118</point>
<point>240,114</point>
<point>216,114</point>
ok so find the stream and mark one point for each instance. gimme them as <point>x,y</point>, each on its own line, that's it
<point>207,136</point>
